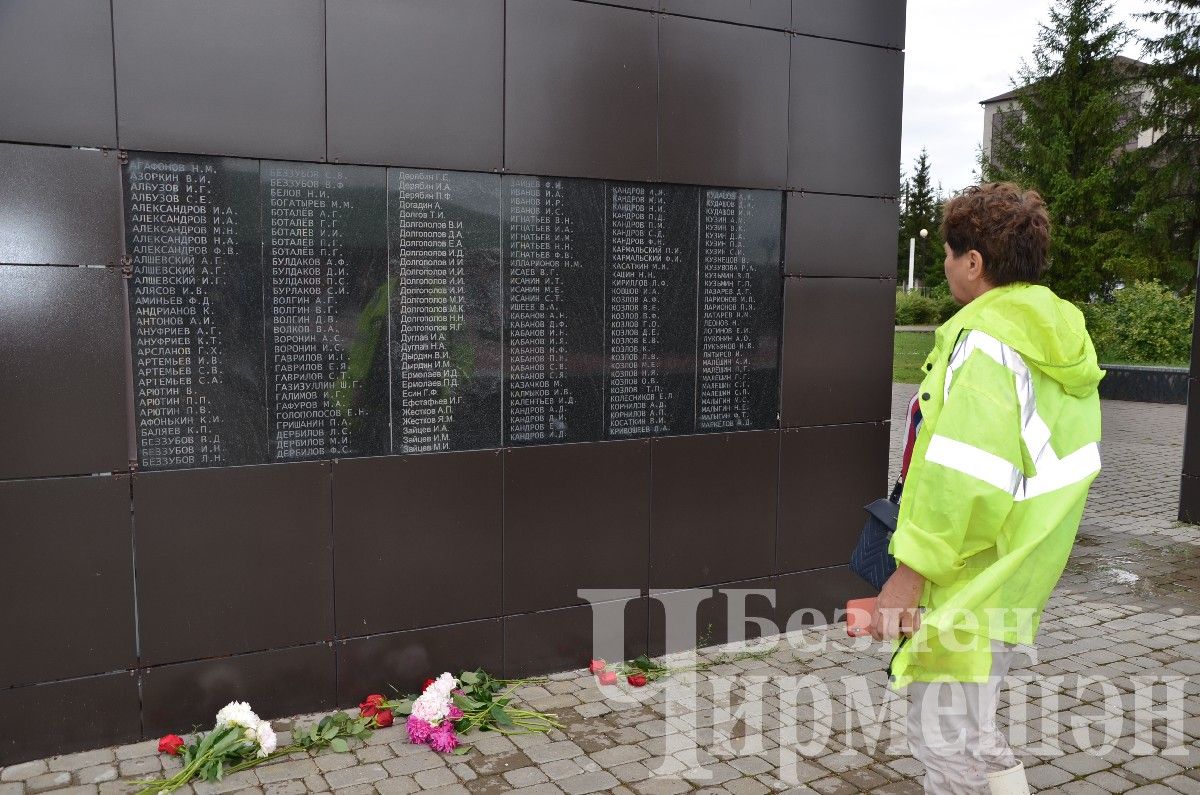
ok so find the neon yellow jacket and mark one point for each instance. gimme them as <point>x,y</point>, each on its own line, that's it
<point>1008,447</point>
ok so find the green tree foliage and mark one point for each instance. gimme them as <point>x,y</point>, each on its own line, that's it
<point>1170,200</point>
<point>920,208</point>
<point>1075,119</point>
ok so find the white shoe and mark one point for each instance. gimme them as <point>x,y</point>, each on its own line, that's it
<point>1009,782</point>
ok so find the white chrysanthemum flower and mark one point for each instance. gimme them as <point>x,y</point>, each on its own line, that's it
<point>237,713</point>
<point>431,706</point>
<point>267,741</point>
<point>444,684</point>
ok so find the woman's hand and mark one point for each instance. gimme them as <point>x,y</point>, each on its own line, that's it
<point>896,608</point>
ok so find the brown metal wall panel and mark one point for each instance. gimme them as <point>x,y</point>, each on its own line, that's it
<point>644,5</point>
<point>251,539</point>
<point>1191,436</point>
<point>762,13</point>
<point>559,640</point>
<point>222,77</point>
<point>709,611</point>
<point>845,118</point>
<point>575,516</point>
<point>723,115</point>
<point>826,476</point>
<point>66,578</point>
<point>878,22</point>
<point>59,206</point>
<point>63,400</point>
<point>413,83</point>
<point>404,660</point>
<point>277,683</point>
<point>1189,499</point>
<point>837,348</point>
<point>75,715</point>
<point>57,60</point>
<point>840,236</point>
<point>580,90</point>
<point>801,596</point>
<point>1194,369</point>
<point>713,508</point>
<point>390,512</point>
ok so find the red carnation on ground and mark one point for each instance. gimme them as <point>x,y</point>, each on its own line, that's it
<point>383,718</point>
<point>608,678</point>
<point>171,744</point>
<point>637,680</point>
<point>596,666</point>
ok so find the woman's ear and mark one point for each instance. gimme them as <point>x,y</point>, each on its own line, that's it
<point>975,265</point>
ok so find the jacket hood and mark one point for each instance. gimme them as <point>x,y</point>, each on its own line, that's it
<point>1047,331</point>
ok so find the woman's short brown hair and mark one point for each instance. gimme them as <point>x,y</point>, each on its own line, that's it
<point>1007,225</point>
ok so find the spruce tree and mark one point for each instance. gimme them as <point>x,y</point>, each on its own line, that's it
<point>1077,113</point>
<point>920,208</point>
<point>1170,200</point>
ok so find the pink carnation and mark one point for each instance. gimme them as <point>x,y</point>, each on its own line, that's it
<point>419,731</point>
<point>443,739</point>
<point>455,713</point>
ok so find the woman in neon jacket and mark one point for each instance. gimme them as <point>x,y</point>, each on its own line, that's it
<point>1007,449</point>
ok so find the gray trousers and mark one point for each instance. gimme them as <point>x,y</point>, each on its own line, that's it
<point>952,729</point>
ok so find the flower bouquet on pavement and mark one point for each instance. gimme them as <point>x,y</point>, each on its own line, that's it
<point>239,736</point>
<point>450,707</point>
<point>241,740</point>
<point>642,670</point>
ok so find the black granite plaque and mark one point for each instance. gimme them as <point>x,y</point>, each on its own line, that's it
<point>195,299</point>
<point>554,300</point>
<point>325,252</point>
<point>650,309</point>
<point>738,374</point>
<point>447,322</point>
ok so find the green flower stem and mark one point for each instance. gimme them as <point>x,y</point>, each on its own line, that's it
<point>255,761</point>
<point>186,774</point>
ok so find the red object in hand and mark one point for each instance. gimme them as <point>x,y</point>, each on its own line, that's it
<point>859,614</point>
<point>637,680</point>
<point>425,686</point>
<point>383,718</point>
<point>608,677</point>
<point>596,666</point>
<point>171,744</point>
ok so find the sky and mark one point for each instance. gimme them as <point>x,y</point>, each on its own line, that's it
<point>958,52</point>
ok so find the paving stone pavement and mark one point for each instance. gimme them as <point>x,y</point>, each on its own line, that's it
<point>1109,702</point>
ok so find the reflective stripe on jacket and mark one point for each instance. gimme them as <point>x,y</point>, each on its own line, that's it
<point>999,476</point>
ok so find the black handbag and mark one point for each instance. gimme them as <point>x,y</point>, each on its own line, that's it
<point>870,559</point>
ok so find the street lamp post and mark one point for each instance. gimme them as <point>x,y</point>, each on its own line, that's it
<point>912,253</point>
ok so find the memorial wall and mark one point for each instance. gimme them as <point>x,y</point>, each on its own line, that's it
<point>292,311</point>
<point>527,297</point>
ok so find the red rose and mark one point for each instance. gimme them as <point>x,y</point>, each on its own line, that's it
<point>637,680</point>
<point>383,718</point>
<point>596,666</point>
<point>608,677</point>
<point>171,744</point>
<point>425,686</point>
<point>370,705</point>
